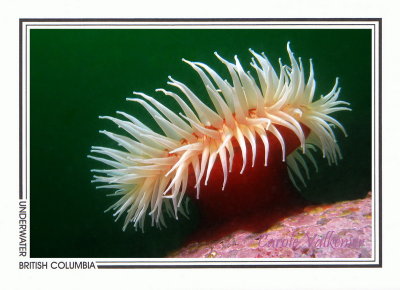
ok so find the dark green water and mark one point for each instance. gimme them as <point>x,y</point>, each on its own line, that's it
<point>77,75</point>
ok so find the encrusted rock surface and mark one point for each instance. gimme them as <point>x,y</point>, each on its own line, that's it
<point>339,230</point>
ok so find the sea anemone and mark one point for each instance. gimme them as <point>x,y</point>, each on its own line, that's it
<point>156,170</point>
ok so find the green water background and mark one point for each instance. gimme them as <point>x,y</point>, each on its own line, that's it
<point>77,75</point>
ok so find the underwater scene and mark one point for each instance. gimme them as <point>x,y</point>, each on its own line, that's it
<point>201,143</point>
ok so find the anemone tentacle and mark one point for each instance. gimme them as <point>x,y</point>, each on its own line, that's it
<point>152,172</point>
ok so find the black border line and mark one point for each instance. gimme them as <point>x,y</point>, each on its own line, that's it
<point>209,21</point>
<point>380,141</point>
<point>228,266</point>
<point>235,260</point>
<point>20,111</point>
<point>205,20</point>
<point>26,112</point>
<point>164,24</point>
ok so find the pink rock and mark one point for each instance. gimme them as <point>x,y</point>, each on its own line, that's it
<point>340,230</point>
